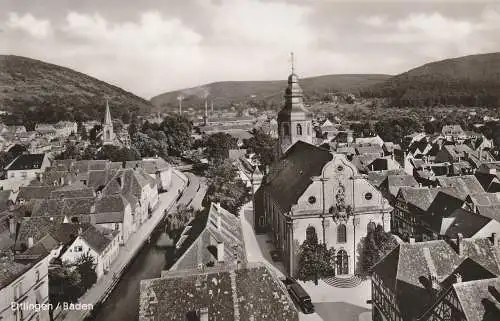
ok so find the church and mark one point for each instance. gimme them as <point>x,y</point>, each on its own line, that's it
<point>311,187</point>
<point>108,134</point>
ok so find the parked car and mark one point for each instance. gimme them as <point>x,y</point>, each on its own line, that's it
<point>299,295</point>
<point>276,256</point>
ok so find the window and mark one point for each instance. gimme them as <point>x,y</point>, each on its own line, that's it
<point>371,227</point>
<point>341,233</point>
<point>311,200</point>
<point>299,129</point>
<point>340,168</point>
<point>368,196</point>
<point>78,248</point>
<point>24,174</point>
<point>12,174</point>
<point>37,275</point>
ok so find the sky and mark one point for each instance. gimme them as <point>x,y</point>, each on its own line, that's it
<point>154,46</point>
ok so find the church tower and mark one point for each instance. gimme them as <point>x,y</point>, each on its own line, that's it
<point>294,119</point>
<point>108,135</point>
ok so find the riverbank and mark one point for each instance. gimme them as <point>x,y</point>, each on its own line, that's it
<point>100,291</point>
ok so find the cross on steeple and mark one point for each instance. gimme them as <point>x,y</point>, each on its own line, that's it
<point>292,62</point>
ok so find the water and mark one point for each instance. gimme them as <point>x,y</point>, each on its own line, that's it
<point>123,302</point>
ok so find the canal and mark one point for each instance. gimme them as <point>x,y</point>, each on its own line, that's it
<point>123,302</point>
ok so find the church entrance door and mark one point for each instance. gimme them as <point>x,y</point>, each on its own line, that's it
<point>342,262</point>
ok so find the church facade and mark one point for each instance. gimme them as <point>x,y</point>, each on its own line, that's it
<point>310,187</point>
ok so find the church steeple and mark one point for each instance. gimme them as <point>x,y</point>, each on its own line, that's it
<point>107,115</point>
<point>108,135</point>
<point>294,119</point>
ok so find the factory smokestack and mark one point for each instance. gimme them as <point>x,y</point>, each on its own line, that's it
<point>180,104</point>
<point>212,106</point>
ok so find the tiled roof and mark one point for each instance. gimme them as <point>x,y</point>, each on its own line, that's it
<point>229,233</point>
<point>372,149</point>
<point>173,296</point>
<point>39,227</point>
<point>492,212</point>
<point>466,184</point>
<point>420,197</point>
<point>395,182</point>
<point>406,269</point>
<point>27,161</point>
<point>465,222</point>
<point>10,269</point>
<point>111,203</point>
<point>485,199</point>
<point>479,299</point>
<point>34,192</point>
<point>96,239</point>
<point>378,177</point>
<point>292,175</point>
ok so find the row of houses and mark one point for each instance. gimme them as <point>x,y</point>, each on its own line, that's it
<point>70,208</point>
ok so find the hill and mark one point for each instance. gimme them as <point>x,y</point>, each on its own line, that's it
<point>270,92</point>
<point>470,81</point>
<point>40,91</point>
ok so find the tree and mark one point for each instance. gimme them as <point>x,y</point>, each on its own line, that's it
<point>374,246</point>
<point>218,145</point>
<point>179,219</point>
<point>64,286</point>
<point>85,265</point>
<point>177,130</point>
<point>315,260</point>
<point>148,146</point>
<point>82,131</point>
<point>94,132</point>
<point>117,154</point>
<point>225,187</point>
<point>263,145</point>
<point>71,152</point>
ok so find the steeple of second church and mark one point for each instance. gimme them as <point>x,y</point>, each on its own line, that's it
<point>108,135</point>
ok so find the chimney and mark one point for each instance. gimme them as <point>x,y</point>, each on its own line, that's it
<point>30,242</point>
<point>80,231</point>
<point>220,252</point>
<point>61,181</point>
<point>219,222</point>
<point>412,240</point>
<point>433,276</point>
<point>494,239</point>
<point>460,244</point>
<point>40,177</point>
<point>12,226</point>
<point>204,314</point>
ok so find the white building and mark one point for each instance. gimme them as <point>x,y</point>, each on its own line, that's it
<point>21,285</point>
<point>27,166</point>
<point>101,244</point>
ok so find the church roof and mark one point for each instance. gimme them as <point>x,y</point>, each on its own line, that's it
<point>292,175</point>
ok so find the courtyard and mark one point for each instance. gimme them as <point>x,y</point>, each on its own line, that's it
<point>331,303</point>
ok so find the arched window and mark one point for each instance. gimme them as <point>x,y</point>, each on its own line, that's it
<point>341,233</point>
<point>371,227</point>
<point>286,130</point>
<point>299,129</point>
